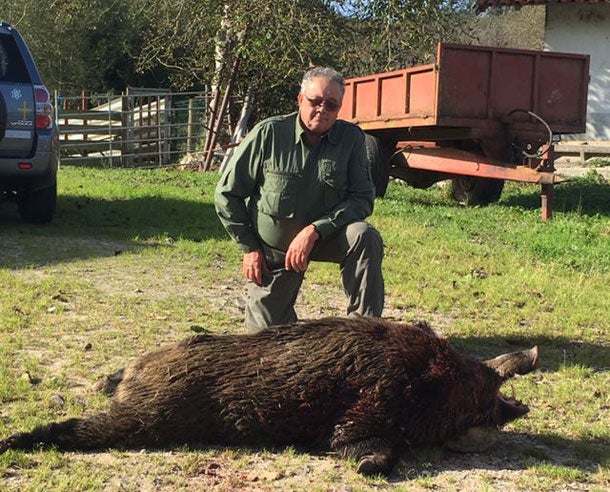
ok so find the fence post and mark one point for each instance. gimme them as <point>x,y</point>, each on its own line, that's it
<point>56,115</point>
<point>127,129</point>
<point>65,105</point>
<point>83,107</point>
<point>168,115</point>
<point>189,126</point>
<point>110,135</point>
<point>159,135</point>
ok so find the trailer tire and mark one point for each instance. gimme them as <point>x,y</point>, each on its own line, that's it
<point>471,190</point>
<point>378,155</point>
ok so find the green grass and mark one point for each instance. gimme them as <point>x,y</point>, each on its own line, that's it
<point>597,162</point>
<point>137,258</point>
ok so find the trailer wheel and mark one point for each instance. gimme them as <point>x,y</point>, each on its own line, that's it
<point>470,190</point>
<point>378,154</point>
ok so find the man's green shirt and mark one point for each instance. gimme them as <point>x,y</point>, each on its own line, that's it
<point>275,184</point>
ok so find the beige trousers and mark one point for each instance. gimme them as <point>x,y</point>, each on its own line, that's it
<point>357,248</point>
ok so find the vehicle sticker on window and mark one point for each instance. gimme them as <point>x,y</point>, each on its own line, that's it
<point>24,110</point>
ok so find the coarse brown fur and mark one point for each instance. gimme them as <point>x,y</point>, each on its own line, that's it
<point>362,387</point>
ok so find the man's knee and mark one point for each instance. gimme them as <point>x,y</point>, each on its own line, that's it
<point>361,270</point>
<point>363,236</point>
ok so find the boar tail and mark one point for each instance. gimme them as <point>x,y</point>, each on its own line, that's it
<point>74,434</point>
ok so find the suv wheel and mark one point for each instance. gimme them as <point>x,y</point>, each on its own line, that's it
<point>37,206</point>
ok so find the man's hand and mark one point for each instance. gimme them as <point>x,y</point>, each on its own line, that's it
<point>297,256</point>
<point>252,266</point>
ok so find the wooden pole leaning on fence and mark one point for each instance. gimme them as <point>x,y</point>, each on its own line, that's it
<point>240,129</point>
<point>210,126</point>
<point>217,119</point>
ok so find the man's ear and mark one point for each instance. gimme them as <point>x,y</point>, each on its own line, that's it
<point>300,98</point>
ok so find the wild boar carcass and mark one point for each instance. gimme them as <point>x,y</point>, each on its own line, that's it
<point>362,387</point>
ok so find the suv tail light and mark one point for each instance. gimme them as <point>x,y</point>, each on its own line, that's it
<point>44,108</point>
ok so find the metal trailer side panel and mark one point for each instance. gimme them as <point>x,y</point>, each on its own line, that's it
<point>401,98</point>
<point>474,87</point>
<point>478,85</point>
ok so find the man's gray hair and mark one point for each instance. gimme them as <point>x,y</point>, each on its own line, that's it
<point>325,73</point>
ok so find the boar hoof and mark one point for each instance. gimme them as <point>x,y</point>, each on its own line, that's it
<point>369,465</point>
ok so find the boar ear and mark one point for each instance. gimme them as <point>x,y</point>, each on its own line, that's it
<point>507,365</point>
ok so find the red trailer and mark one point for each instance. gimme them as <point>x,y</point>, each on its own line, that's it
<point>479,116</point>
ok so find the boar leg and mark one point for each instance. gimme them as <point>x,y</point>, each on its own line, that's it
<point>95,432</point>
<point>507,365</point>
<point>108,384</point>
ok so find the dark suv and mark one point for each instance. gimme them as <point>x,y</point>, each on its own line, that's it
<point>29,141</point>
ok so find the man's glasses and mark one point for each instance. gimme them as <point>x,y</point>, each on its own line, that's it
<point>317,102</point>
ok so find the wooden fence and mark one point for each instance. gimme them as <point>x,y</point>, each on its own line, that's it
<point>583,149</point>
<point>141,127</point>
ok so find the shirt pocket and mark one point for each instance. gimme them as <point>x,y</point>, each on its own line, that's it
<point>279,193</point>
<point>333,180</point>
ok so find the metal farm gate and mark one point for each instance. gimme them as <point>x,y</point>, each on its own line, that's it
<point>141,127</point>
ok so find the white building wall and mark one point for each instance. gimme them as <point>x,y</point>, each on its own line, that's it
<point>585,28</point>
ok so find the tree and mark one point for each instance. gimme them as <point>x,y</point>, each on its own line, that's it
<point>275,40</point>
<point>79,44</point>
<point>506,27</point>
<point>392,34</point>
<point>260,47</point>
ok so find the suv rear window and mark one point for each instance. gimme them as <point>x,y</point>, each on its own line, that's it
<point>12,68</point>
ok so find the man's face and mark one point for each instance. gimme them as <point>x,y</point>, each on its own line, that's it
<point>319,104</point>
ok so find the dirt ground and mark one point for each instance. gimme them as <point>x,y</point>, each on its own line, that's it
<point>503,468</point>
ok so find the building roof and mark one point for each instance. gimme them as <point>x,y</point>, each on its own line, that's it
<point>483,4</point>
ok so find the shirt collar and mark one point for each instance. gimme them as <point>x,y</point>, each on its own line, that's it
<point>332,135</point>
